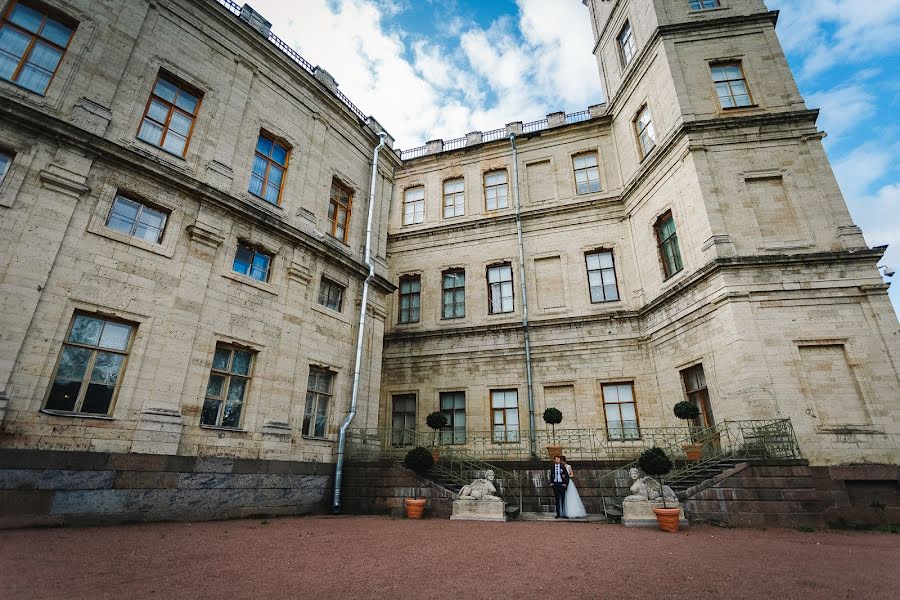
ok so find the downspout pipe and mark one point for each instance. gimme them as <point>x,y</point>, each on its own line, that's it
<point>531,427</point>
<point>360,335</point>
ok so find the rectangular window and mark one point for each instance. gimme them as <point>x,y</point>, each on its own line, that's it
<point>410,299</point>
<point>318,395</point>
<point>703,4</point>
<point>587,173</point>
<point>454,198</point>
<point>31,46</point>
<point>495,190</point>
<point>331,295</point>
<point>136,219</point>
<point>453,406</point>
<point>90,366</point>
<point>251,262</point>
<point>697,392</point>
<point>667,238</point>
<point>643,125</point>
<point>339,204</point>
<point>226,391</point>
<point>500,289</point>
<point>621,413</point>
<point>269,164</point>
<point>403,420</point>
<point>169,117</point>
<point>601,271</point>
<point>505,415</point>
<point>5,162</point>
<point>627,45</point>
<point>453,294</point>
<point>731,86</point>
<point>414,206</point>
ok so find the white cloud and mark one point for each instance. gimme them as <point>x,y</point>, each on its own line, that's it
<point>843,108</point>
<point>471,78</point>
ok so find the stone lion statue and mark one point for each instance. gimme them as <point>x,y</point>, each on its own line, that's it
<point>480,489</point>
<point>646,488</point>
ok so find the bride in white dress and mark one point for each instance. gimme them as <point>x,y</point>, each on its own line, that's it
<point>573,507</point>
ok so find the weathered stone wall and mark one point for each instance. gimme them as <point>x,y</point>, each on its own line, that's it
<point>45,487</point>
<point>381,488</point>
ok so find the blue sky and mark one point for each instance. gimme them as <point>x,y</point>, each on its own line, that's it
<point>439,68</point>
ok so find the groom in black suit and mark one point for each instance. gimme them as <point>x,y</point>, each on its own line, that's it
<point>559,481</point>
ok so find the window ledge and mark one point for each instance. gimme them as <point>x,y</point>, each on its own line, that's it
<point>19,86</point>
<point>340,316</point>
<point>161,149</point>
<point>260,285</point>
<point>167,250</point>
<point>673,276</point>
<point>266,202</point>
<point>731,109</point>
<point>219,428</point>
<point>310,438</point>
<point>63,413</point>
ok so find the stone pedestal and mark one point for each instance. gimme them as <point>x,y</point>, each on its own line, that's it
<point>640,514</point>
<point>478,510</point>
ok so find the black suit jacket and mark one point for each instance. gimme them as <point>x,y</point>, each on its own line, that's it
<point>563,471</point>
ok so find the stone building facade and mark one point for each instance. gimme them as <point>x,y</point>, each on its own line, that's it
<point>686,240</point>
<point>182,222</point>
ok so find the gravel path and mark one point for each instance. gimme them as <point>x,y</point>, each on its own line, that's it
<point>376,557</point>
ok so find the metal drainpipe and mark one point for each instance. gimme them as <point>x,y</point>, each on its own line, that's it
<point>512,141</point>
<point>342,438</point>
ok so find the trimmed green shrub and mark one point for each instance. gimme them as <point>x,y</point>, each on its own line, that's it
<point>419,459</point>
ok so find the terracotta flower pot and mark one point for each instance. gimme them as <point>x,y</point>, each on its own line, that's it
<point>414,508</point>
<point>554,451</point>
<point>668,518</point>
<point>692,452</point>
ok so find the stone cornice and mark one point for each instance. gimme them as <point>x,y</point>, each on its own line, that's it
<point>58,131</point>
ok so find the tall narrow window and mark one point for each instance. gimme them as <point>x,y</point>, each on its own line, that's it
<point>5,162</point>
<point>495,190</point>
<point>339,204</point>
<point>703,4</point>
<point>621,413</point>
<point>454,198</point>
<point>229,380</point>
<point>31,46</point>
<point>318,396</point>
<point>410,299</point>
<point>587,173</point>
<point>331,295</point>
<point>414,206</point>
<point>136,219</point>
<point>269,164</point>
<point>643,126</point>
<point>403,420</point>
<point>731,86</point>
<point>169,117</point>
<point>90,366</point>
<point>500,289</point>
<point>505,415</point>
<point>453,406</point>
<point>453,294</point>
<point>627,45</point>
<point>667,238</point>
<point>695,388</point>
<point>251,262</point>
<point>602,276</point>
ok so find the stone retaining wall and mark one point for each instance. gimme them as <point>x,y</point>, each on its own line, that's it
<point>43,487</point>
<point>381,488</point>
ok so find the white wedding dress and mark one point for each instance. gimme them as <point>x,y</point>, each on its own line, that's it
<point>573,507</point>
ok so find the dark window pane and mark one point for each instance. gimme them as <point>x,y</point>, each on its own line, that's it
<point>86,330</point>
<point>106,368</point>
<point>214,387</point>
<point>63,395</point>
<point>210,412</point>
<point>221,358</point>
<point>240,365</point>
<point>236,390</point>
<point>73,363</point>
<point>98,398</point>
<point>232,415</point>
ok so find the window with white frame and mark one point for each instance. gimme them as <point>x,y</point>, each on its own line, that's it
<point>414,206</point>
<point>226,391</point>
<point>500,289</point>
<point>587,173</point>
<point>643,125</point>
<point>621,413</point>
<point>454,198</point>
<point>410,299</point>
<point>627,45</point>
<point>318,396</point>
<point>601,271</point>
<point>453,292</point>
<point>90,366</point>
<point>137,219</point>
<point>505,415</point>
<point>496,190</point>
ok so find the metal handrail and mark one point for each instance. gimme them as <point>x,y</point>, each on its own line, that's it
<point>493,134</point>
<point>413,152</point>
<point>453,144</point>
<point>577,117</point>
<point>535,125</point>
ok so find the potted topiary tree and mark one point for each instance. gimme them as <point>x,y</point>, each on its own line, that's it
<point>656,463</point>
<point>419,460</point>
<point>553,417</point>
<point>688,411</point>
<point>436,421</point>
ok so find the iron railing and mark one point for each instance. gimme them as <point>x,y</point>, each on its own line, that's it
<point>728,440</point>
<point>455,143</point>
<point>577,117</point>
<point>493,134</point>
<point>535,126</point>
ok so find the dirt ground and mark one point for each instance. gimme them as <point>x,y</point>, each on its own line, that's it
<point>376,557</point>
